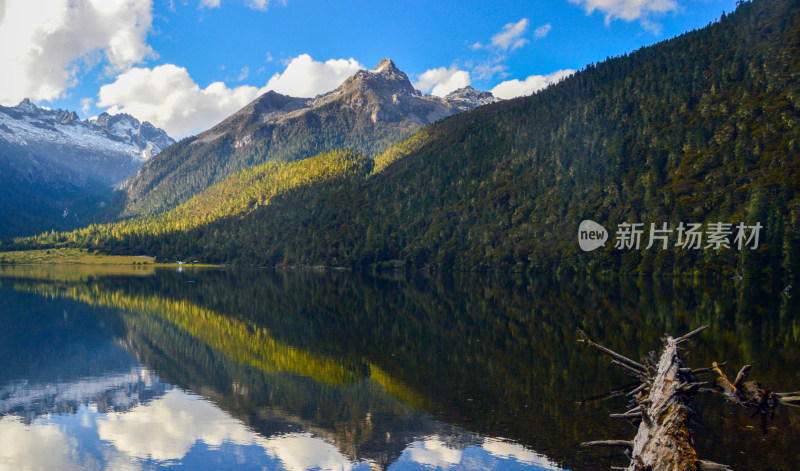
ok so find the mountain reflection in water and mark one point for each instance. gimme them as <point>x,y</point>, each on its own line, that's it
<point>214,369</point>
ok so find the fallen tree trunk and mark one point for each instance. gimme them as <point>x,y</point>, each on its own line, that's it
<point>664,439</point>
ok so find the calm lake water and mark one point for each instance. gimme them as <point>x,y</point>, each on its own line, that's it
<point>221,369</point>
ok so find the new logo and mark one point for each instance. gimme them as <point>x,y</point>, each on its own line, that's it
<point>591,235</point>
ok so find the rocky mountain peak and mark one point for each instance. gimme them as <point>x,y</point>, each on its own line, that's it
<point>470,98</point>
<point>27,106</point>
<point>102,120</point>
<point>106,120</point>
<point>66,117</point>
<point>468,90</point>
<point>385,66</point>
<point>272,101</point>
<point>384,79</point>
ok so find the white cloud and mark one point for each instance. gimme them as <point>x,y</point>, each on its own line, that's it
<point>487,70</point>
<point>86,104</point>
<point>47,44</point>
<point>510,36</point>
<point>167,427</point>
<point>170,99</point>
<point>262,4</point>
<point>508,39</point>
<point>254,4</point>
<point>442,81</point>
<point>23,446</point>
<point>243,74</point>
<point>630,10</point>
<point>305,77</point>
<point>509,450</point>
<point>299,452</point>
<point>434,453</point>
<point>542,31</point>
<point>534,83</point>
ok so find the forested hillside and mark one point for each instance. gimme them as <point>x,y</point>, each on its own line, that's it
<point>39,195</point>
<point>702,128</point>
<point>241,194</point>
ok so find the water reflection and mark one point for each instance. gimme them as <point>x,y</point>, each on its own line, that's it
<point>177,429</point>
<point>491,453</point>
<point>255,369</point>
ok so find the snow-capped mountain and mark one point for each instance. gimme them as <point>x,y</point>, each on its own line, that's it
<point>57,171</point>
<point>27,124</point>
<point>468,98</point>
<point>113,391</point>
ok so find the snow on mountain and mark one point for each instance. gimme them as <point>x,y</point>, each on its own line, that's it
<point>26,124</point>
<point>119,391</point>
<point>469,98</point>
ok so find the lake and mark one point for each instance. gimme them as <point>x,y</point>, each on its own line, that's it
<point>131,368</point>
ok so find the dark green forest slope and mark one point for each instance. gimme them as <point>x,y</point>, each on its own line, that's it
<point>702,128</point>
<point>239,196</point>
<point>194,164</point>
<point>39,192</point>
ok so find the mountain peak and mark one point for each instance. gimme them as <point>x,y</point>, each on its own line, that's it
<point>385,79</point>
<point>470,97</point>
<point>462,90</point>
<point>26,105</point>
<point>385,65</point>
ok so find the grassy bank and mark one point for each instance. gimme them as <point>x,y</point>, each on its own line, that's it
<point>73,256</point>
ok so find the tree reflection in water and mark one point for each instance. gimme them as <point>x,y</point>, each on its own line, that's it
<point>397,370</point>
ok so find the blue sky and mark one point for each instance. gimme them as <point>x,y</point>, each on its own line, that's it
<point>185,65</point>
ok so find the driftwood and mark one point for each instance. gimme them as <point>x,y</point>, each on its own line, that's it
<point>661,406</point>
